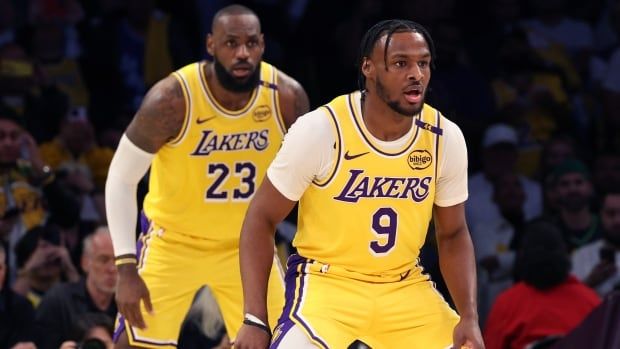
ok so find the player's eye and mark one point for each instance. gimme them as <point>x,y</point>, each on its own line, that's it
<point>231,43</point>
<point>252,43</point>
<point>423,64</point>
<point>400,64</point>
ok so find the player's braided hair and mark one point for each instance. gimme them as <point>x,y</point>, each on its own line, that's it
<point>389,27</point>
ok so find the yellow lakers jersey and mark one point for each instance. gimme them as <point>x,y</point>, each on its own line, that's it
<point>372,213</point>
<point>202,181</point>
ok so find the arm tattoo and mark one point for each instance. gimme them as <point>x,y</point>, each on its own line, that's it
<point>161,116</point>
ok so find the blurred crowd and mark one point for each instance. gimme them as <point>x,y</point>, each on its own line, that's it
<point>534,85</point>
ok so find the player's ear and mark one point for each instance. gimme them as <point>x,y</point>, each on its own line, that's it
<point>261,42</point>
<point>368,68</point>
<point>210,44</point>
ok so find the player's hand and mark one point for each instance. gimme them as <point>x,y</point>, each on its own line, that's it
<point>250,337</point>
<point>467,334</point>
<point>130,290</point>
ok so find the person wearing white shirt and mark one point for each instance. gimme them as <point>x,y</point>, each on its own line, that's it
<point>499,157</point>
<point>597,263</point>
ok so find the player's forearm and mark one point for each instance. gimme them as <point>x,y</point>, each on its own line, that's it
<point>256,256</point>
<point>128,166</point>
<point>458,268</point>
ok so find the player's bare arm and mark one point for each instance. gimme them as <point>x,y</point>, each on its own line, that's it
<point>458,267</point>
<point>160,117</point>
<point>293,99</point>
<point>268,208</point>
<point>158,120</point>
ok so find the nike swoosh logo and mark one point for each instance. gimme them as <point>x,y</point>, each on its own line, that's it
<point>351,157</point>
<point>202,121</point>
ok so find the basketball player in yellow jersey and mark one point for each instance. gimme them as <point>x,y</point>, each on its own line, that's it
<point>208,131</point>
<point>370,170</point>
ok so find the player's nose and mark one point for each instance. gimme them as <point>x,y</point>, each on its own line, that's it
<point>242,52</point>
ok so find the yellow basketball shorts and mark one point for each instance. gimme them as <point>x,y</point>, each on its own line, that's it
<point>334,307</point>
<point>174,266</point>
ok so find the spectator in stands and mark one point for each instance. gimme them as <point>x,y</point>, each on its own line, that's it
<point>597,263</point>
<point>61,306</point>
<point>76,145</point>
<point>556,150</point>
<point>22,175</point>
<point>547,301</point>
<point>574,191</point>
<point>91,331</point>
<point>499,157</point>
<point>42,262</point>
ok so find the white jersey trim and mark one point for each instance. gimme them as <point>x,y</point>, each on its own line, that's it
<point>307,155</point>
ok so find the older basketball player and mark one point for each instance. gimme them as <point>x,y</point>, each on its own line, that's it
<point>208,131</point>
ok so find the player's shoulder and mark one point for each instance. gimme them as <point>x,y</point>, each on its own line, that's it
<point>287,82</point>
<point>316,119</point>
<point>289,88</point>
<point>160,117</point>
<point>165,98</point>
<point>449,128</point>
<point>294,100</point>
<point>191,68</point>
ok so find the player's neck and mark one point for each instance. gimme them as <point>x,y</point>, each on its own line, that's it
<point>228,99</point>
<point>383,122</point>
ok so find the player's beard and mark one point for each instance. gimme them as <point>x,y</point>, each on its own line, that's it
<point>233,84</point>
<point>395,104</point>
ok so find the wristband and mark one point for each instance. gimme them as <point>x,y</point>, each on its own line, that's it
<point>252,320</point>
<point>125,260</point>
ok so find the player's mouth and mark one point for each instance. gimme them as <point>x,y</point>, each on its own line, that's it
<point>241,70</point>
<point>414,94</point>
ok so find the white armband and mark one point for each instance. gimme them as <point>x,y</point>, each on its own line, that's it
<point>128,166</point>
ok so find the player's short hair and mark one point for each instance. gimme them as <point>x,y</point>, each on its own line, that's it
<point>232,10</point>
<point>389,27</point>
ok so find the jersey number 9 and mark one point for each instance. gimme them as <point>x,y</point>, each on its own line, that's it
<point>384,224</point>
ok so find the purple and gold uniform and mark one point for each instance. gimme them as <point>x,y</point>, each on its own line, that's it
<point>361,226</point>
<point>199,190</point>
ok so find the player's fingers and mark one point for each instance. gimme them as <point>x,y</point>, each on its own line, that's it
<point>139,320</point>
<point>146,298</point>
<point>457,341</point>
<point>133,314</point>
